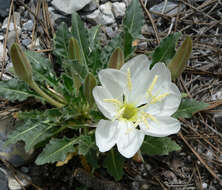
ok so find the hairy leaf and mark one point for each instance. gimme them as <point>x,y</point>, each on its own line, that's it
<point>158,146</point>
<point>114,163</point>
<point>15,89</point>
<point>61,41</point>
<point>188,107</point>
<point>166,50</point>
<point>56,150</point>
<point>81,35</point>
<point>177,64</point>
<point>85,144</point>
<point>134,18</point>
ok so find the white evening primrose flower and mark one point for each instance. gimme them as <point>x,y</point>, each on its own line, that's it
<point>136,101</point>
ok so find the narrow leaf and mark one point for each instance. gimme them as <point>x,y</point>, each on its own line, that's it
<point>188,107</point>
<point>116,60</point>
<point>89,84</point>
<point>134,18</point>
<point>127,44</point>
<point>21,64</point>
<point>114,163</point>
<point>158,146</point>
<point>166,50</point>
<point>177,64</point>
<point>56,150</point>
<point>74,50</point>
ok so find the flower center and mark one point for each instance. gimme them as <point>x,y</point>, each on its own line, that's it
<point>129,112</point>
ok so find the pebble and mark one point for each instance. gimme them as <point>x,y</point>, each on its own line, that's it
<point>119,9</point>
<point>110,32</point>
<point>3,180</point>
<point>2,37</point>
<point>69,6</point>
<point>11,25</point>
<point>4,8</point>
<point>2,52</point>
<point>94,17</point>
<point>107,16</point>
<point>28,25</point>
<point>204,185</point>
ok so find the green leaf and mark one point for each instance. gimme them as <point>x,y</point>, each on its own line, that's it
<point>56,150</point>
<point>166,50</point>
<point>74,50</point>
<point>21,64</point>
<point>158,146</point>
<point>114,163</point>
<point>177,64</point>
<point>81,35</point>
<point>93,37</point>
<point>31,132</point>
<point>61,40</point>
<point>92,158</point>
<point>116,60</point>
<point>15,89</point>
<point>134,18</point>
<point>188,107</point>
<point>127,44</point>
<point>42,69</point>
<point>85,144</point>
<point>89,84</point>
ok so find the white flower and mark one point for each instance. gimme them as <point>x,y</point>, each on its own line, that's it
<point>138,102</point>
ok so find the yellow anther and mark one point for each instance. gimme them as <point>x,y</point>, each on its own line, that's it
<point>145,121</point>
<point>149,91</point>
<point>129,80</point>
<point>114,101</point>
<point>158,98</point>
<point>119,114</point>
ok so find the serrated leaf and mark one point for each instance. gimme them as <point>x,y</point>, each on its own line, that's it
<point>81,35</point>
<point>15,89</point>
<point>166,50</point>
<point>134,18</point>
<point>114,163</point>
<point>177,64</point>
<point>42,69</point>
<point>56,150</point>
<point>89,84</point>
<point>158,146</point>
<point>31,132</point>
<point>85,144</point>
<point>61,41</point>
<point>188,107</point>
<point>116,60</point>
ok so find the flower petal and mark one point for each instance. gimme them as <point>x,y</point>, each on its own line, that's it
<point>129,140</point>
<point>106,135</point>
<point>114,81</point>
<point>164,126</point>
<point>161,70</point>
<point>168,105</point>
<point>108,109</point>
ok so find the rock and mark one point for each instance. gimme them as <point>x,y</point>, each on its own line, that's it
<point>11,39</point>
<point>93,5</point>
<point>171,8</point>
<point>11,25</point>
<point>26,42</point>
<point>69,6</point>
<point>28,25</point>
<point>2,37</point>
<point>119,9</point>
<point>13,153</point>
<point>2,52</point>
<point>110,32</point>
<point>4,8</point>
<point>3,180</point>
<point>204,185</point>
<point>107,16</point>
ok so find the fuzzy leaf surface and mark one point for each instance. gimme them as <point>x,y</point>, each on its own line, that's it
<point>158,146</point>
<point>166,50</point>
<point>188,107</point>
<point>134,18</point>
<point>56,150</point>
<point>15,89</point>
<point>114,164</point>
<point>85,144</point>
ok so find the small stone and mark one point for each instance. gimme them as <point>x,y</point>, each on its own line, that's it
<point>3,180</point>
<point>94,17</point>
<point>2,53</point>
<point>110,32</point>
<point>28,25</point>
<point>1,37</point>
<point>142,46</point>
<point>69,6</point>
<point>4,8</point>
<point>204,185</point>
<point>11,25</point>
<point>26,41</point>
<point>119,9</point>
<point>107,16</point>
<point>93,5</point>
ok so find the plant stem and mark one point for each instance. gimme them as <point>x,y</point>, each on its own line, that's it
<point>44,95</point>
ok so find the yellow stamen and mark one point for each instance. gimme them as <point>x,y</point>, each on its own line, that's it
<point>149,91</point>
<point>119,113</point>
<point>114,101</point>
<point>150,116</point>
<point>129,80</point>
<point>158,98</point>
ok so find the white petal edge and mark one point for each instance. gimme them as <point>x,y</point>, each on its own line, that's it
<point>106,134</point>
<point>162,71</point>
<point>164,126</point>
<point>129,140</point>
<point>114,81</point>
<point>108,109</point>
